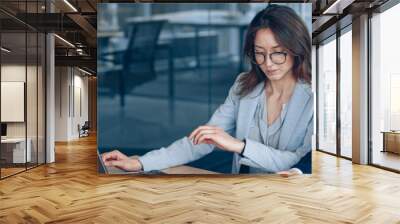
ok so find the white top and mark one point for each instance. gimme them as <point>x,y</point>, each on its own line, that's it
<point>261,132</point>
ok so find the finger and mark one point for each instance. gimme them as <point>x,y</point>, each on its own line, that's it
<point>117,163</point>
<point>196,131</point>
<point>206,137</point>
<point>113,155</point>
<point>110,155</point>
<point>120,155</point>
<point>204,130</point>
<point>202,127</point>
<point>201,133</point>
<point>107,155</point>
<point>193,133</point>
<point>209,142</point>
<point>284,173</point>
<point>291,172</point>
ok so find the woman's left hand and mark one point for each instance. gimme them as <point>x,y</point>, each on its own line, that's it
<point>289,173</point>
<point>217,136</point>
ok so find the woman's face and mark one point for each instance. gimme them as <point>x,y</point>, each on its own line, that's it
<point>266,45</point>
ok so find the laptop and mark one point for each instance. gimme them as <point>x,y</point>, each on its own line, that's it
<point>102,168</point>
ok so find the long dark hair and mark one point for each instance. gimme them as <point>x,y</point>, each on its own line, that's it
<point>290,32</point>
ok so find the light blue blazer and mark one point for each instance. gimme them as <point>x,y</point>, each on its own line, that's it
<point>235,116</point>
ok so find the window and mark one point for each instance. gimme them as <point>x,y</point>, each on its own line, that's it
<point>385,88</point>
<point>346,93</point>
<point>327,96</point>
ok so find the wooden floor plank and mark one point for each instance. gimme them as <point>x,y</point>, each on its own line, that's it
<point>71,191</point>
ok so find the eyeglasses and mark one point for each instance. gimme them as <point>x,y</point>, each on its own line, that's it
<point>278,58</point>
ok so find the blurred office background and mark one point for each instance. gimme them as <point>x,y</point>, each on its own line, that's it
<point>163,69</point>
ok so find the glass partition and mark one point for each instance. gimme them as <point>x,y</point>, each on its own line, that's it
<point>22,90</point>
<point>14,154</point>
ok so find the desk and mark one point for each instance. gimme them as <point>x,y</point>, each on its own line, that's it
<point>391,141</point>
<point>186,170</point>
<point>183,169</point>
<point>173,170</point>
<point>13,150</point>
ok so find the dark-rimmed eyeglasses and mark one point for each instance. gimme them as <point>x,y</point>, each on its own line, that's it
<point>278,58</point>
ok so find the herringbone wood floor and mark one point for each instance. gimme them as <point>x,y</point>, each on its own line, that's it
<point>70,191</point>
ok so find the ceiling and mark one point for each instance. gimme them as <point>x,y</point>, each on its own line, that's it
<point>77,23</point>
<point>330,15</point>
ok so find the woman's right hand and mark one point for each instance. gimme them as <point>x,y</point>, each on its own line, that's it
<point>118,159</point>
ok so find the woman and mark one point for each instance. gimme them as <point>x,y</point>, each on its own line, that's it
<point>267,118</point>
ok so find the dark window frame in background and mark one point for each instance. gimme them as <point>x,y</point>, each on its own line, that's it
<point>334,37</point>
<point>381,9</point>
<point>387,5</point>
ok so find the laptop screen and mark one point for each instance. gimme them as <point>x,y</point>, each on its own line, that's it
<point>100,164</point>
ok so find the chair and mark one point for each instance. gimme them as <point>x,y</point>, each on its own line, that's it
<point>138,59</point>
<point>84,130</point>
<point>305,164</point>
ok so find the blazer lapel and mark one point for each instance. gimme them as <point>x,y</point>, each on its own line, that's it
<point>248,106</point>
<point>296,107</point>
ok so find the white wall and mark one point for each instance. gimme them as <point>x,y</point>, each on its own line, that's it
<point>12,73</point>
<point>12,101</point>
<point>33,126</point>
<point>70,83</point>
<point>79,117</point>
<point>61,103</point>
